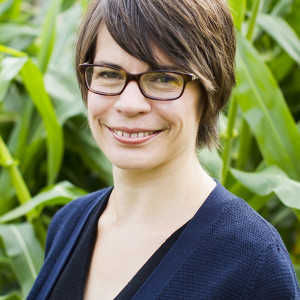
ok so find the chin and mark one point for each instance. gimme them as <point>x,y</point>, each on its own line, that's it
<point>134,162</point>
<point>132,166</point>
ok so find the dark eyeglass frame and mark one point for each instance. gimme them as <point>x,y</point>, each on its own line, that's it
<point>187,77</point>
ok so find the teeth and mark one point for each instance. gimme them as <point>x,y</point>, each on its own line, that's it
<point>133,135</point>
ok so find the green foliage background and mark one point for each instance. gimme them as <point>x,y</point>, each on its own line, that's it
<point>47,155</point>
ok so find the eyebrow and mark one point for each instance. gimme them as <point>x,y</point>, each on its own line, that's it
<point>161,67</point>
<point>108,64</point>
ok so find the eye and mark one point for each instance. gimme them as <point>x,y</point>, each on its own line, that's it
<point>110,75</point>
<point>165,79</point>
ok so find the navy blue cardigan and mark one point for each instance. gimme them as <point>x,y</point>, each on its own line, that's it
<point>226,251</point>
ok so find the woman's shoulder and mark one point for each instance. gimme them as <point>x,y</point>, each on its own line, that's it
<point>73,216</point>
<point>238,222</point>
<point>78,205</point>
<point>242,249</point>
<point>238,231</point>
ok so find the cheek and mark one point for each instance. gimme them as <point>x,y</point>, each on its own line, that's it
<point>96,107</point>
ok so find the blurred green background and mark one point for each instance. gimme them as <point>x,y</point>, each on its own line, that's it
<point>48,156</point>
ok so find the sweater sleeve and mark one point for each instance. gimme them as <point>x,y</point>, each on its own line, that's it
<point>275,277</point>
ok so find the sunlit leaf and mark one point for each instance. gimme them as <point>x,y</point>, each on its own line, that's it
<point>11,31</point>
<point>238,11</point>
<point>271,180</point>
<point>282,7</point>
<point>10,67</point>
<point>211,162</point>
<point>63,54</point>
<point>63,88</point>
<point>266,112</point>
<point>282,33</point>
<point>60,194</point>
<point>48,34</point>
<point>34,84</point>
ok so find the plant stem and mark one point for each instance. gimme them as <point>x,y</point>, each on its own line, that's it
<point>252,22</point>
<point>7,161</point>
<point>233,108</point>
<point>244,146</point>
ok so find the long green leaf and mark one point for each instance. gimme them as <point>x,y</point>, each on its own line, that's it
<point>64,89</point>
<point>282,7</point>
<point>238,11</point>
<point>253,17</point>
<point>34,84</point>
<point>27,255</point>
<point>62,57</point>
<point>12,51</point>
<point>59,194</point>
<point>8,162</point>
<point>10,67</point>
<point>90,153</point>
<point>11,296</point>
<point>13,10</point>
<point>270,180</point>
<point>266,112</point>
<point>282,33</point>
<point>48,34</point>
<point>211,162</point>
<point>12,30</point>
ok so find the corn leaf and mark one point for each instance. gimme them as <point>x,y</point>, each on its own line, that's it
<point>62,55</point>
<point>34,84</point>
<point>282,33</point>
<point>11,296</point>
<point>48,34</point>
<point>59,194</point>
<point>265,111</point>
<point>271,180</point>
<point>63,87</point>
<point>25,251</point>
<point>10,67</point>
<point>282,7</point>
<point>238,10</point>
<point>211,162</point>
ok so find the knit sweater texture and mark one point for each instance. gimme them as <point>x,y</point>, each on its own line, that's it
<point>226,251</point>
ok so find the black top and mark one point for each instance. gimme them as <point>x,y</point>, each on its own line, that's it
<point>71,282</point>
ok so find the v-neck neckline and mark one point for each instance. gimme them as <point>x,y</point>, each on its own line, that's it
<point>184,245</point>
<point>193,234</point>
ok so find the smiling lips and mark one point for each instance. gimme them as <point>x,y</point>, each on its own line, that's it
<point>133,137</point>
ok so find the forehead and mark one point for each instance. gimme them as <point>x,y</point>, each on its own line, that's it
<point>108,50</point>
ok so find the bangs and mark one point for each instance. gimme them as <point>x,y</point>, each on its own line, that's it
<point>133,26</point>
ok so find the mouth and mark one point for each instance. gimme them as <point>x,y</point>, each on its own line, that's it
<point>133,136</point>
<point>139,134</point>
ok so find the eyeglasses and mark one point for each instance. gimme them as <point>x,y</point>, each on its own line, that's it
<point>155,85</point>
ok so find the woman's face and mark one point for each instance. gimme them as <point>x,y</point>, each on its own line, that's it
<point>137,133</point>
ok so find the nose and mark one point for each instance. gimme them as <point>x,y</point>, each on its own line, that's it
<point>132,102</point>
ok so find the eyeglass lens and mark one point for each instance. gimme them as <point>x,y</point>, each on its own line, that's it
<point>163,85</point>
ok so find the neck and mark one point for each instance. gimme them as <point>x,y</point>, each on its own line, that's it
<point>168,193</point>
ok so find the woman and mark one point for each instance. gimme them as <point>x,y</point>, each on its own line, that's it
<point>154,76</point>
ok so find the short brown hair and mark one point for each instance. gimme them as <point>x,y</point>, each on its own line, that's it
<point>197,35</point>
